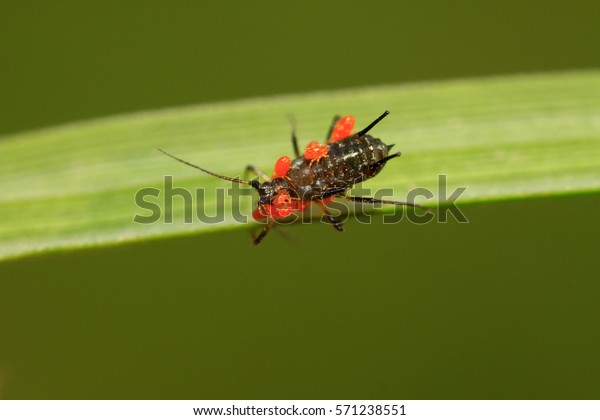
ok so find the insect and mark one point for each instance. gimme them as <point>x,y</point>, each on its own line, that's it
<point>323,172</point>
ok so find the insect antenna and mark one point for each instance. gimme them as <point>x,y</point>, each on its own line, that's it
<point>253,183</point>
<point>373,124</point>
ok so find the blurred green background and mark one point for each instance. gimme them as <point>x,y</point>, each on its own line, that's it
<point>504,307</point>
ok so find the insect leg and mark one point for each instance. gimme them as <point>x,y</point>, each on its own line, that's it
<point>372,200</point>
<point>334,222</point>
<point>256,171</point>
<point>336,118</point>
<point>263,232</point>
<point>373,124</point>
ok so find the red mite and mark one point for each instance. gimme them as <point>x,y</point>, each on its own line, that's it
<point>321,173</point>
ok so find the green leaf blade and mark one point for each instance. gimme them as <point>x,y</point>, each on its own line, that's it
<point>502,138</point>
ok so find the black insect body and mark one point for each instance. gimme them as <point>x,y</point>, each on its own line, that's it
<point>348,162</point>
<point>321,173</point>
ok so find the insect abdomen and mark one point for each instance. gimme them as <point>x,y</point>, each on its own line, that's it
<point>353,159</point>
<point>348,162</point>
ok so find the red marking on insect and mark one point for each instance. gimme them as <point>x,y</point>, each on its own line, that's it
<point>343,128</point>
<point>272,211</point>
<point>315,150</point>
<point>282,206</point>
<point>258,214</point>
<point>282,166</point>
<point>322,173</point>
